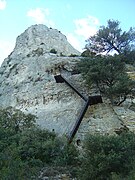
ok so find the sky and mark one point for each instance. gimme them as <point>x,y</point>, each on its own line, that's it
<point>77,19</point>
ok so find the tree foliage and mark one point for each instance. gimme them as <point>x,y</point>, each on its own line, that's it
<point>129,57</point>
<point>15,120</point>
<point>25,151</point>
<point>109,75</point>
<point>106,157</point>
<point>111,38</point>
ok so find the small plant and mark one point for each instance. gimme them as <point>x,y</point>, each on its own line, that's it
<point>38,79</point>
<point>53,51</point>
<point>28,55</point>
<point>38,52</point>
<point>61,54</point>
<point>88,53</point>
<point>72,55</point>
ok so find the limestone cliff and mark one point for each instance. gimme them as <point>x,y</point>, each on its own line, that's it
<point>27,82</point>
<point>39,39</point>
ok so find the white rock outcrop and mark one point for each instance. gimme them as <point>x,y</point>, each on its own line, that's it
<point>27,83</point>
<point>41,39</point>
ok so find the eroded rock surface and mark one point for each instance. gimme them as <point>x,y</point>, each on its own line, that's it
<point>27,83</point>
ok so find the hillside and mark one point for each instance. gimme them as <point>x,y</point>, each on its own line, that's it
<point>27,82</point>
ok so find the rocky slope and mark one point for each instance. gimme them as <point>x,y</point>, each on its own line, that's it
<point>39,39</point>
<point>27,82</point>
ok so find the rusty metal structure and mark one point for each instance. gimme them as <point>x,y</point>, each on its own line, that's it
<point>91,100</point>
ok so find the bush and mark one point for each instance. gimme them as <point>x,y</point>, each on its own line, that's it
<point>12,167</point>
<point>129,57</point>
<point>38,52</point>
<point>62,55</point>
<point>73,55</point>
<point>88,53</point>
<point>108,156</point>
<point>23,153</point>
<point>14,120</point>
<point>66,154</point>
<point>53,51</point>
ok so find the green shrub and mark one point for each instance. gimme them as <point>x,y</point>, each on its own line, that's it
<point>53,51</point>
<point>66,154</point>
<point>23,153</point>
<point>62,55</point>
<point>38,52</point>
<point>73,55</point>
<point>108,156</point>
<point>38,144</point>
<point>47,147</point>
<point>15,120</point>
<point>129,57</point>
<point>87,53</point>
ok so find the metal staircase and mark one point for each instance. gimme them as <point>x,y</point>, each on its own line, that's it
<point>91,100</point>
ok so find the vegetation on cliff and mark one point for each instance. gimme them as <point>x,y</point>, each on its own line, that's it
<point>109,157</point>
<point>109,75</point>
<point>108,72</point>
<point>25,153</point>
<point>25,149</point>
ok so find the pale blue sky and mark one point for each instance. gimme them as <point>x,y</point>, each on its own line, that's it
<point>77,19</point>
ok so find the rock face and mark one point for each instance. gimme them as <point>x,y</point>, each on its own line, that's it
<point>27,83</point>
<point>39,39</point>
